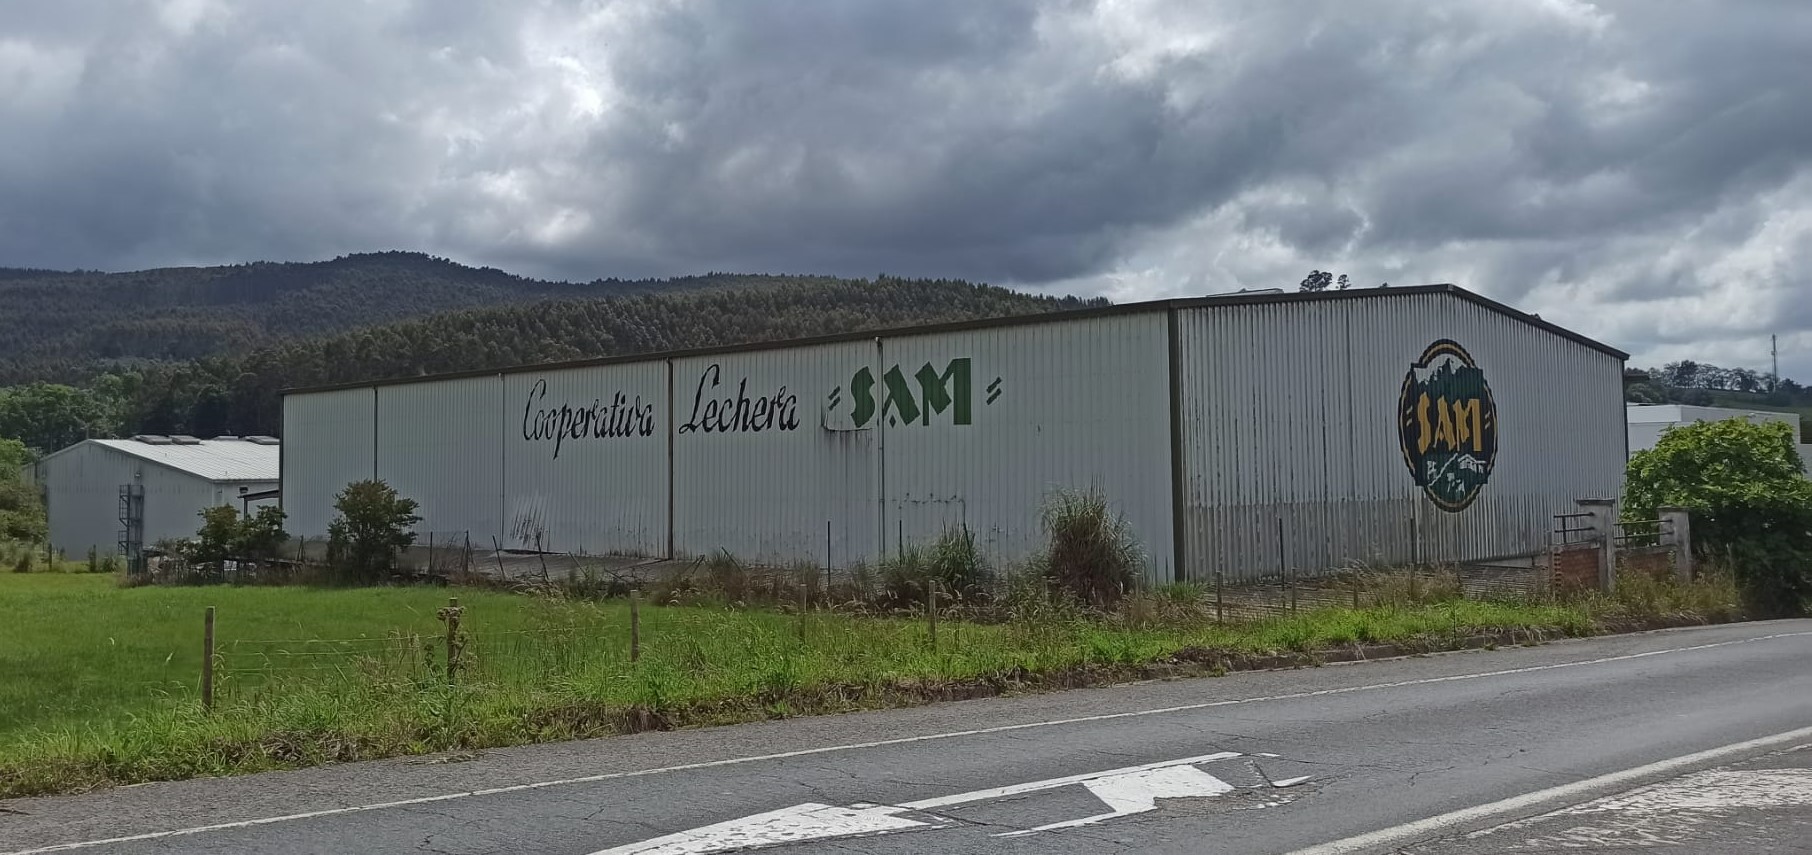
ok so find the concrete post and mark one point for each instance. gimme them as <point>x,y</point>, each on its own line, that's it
<point>1603,514</point>
<point>1677,522</point>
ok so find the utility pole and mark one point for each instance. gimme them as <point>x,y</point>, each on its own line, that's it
<point>1774,351</point>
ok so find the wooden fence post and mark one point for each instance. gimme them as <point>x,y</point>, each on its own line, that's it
<point>207,662</point>
<point>931,610</point>
<point>804,601</point>
<point>635,625</point>
<point>452,640</point>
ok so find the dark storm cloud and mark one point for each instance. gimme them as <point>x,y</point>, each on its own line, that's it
<point>1637,170</point>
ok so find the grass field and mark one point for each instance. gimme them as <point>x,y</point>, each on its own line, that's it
<point>101,681</point>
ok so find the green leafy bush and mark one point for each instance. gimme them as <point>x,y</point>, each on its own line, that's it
<point>373,525</point>
<point>1751,504</point>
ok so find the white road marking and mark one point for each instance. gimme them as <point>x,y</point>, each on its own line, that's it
<point>1424,828</point>
<point>1138,792</point>
<point>857,746</point>
<point>1053,783</point>
<point>1128,790</point>
<point>809,821</point>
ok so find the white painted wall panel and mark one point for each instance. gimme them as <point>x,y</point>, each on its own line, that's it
<point>585,459</point>
<point>441,444</point>
<point>1080,405</point>
<point>1290,414</point>
<point>329,441</point>
<point>767,461</point>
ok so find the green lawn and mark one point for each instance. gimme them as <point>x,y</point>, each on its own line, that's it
<point>101,681</point>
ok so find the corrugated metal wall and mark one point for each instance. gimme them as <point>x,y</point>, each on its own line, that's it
<point>840,452</point>
<point>755,469</point>
<point>441,445</point>
<point>334,444</point>
<point>584,459</point>
<point>1080,405</point>
<point>82,492</point>
<point>1290,417</point>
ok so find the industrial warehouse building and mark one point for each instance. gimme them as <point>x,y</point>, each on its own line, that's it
<point>1239,433</point>
<point>117,496</point>
<point>1648,421</point>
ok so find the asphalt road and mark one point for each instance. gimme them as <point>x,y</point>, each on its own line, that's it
<point>1445,755</point>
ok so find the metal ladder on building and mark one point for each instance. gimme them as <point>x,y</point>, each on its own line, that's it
<point>132,536</point>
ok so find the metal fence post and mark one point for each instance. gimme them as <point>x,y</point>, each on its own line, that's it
<point>207,661</point>
<point>1220,600</point>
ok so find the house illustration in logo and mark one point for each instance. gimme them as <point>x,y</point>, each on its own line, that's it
<point>1447,425</point>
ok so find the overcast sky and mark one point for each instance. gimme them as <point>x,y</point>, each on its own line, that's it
<point>1640,171</point>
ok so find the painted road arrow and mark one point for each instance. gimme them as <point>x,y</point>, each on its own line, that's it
<point>1125,792</point>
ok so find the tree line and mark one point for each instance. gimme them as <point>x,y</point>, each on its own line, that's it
<point>1705,384</point>
<point>240,394</point>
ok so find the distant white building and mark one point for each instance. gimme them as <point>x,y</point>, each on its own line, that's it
<point>116,496</point>
<point>1647,421</point>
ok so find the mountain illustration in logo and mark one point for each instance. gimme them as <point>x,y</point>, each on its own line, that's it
<point>1447,424</point>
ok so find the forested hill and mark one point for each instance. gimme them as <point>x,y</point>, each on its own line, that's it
<point>239,395</point>
<point>67,325</point>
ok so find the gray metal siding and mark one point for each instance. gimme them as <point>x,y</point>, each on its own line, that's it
<point>441,446</point>
<point>1283,411</point>
<point>593,483</point>
<point>329,441</point>
<point>778,485</point>
<point>1079,406</point>
<point>1290,418</point>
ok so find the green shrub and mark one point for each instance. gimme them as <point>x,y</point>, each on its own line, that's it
<point>372,526</point>
<point>1092,554</point>
<point>1750,501</point>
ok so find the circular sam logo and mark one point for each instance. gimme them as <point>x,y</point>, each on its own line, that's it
<point>1447,423</point>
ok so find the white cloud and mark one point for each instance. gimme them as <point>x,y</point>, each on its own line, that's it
<point>1638,171</point>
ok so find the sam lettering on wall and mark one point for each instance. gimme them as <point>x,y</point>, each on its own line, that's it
<point>1447,425</point>
<point>903,399</point>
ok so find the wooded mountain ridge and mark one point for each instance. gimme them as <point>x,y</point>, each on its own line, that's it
<point>238,392</point>
<point>69,325</point>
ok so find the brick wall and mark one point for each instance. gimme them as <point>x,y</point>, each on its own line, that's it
<point>1654,562</point>
<point>1576,567</point>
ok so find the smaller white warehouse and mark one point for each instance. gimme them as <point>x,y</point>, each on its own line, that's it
<point>1648,421</point>
<point>117,496</point>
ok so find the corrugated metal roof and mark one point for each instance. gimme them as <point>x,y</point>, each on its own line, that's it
<point>1268,297</point>
<point>213,459</point>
